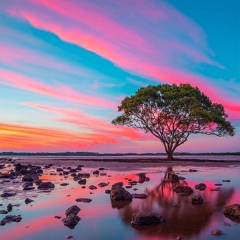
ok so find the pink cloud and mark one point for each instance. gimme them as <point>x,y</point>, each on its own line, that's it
<point>59,91</point>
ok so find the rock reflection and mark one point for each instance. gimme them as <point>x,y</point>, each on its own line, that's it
<point>182,217</point>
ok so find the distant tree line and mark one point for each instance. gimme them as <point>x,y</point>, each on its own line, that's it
<point>110,154</point>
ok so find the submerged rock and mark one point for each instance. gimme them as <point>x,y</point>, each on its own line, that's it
<point>92,187</point>
<point>200,186</point>
<point>3,212</point>
<point>10,219</point>
<point>141,195</point>
<point>217,232</point>
<point>86,200</point>
<point>233,211</point>
<point>183,190</point>
<point>118,193</point>
<point>197,199</point>
<point>145,218</point>
<point>28,200</point>
<point>102,184</point>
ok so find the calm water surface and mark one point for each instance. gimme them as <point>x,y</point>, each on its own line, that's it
<point>102,219</point>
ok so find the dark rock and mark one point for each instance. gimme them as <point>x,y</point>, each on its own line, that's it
<point>217,232</point>
<point>10,219</point>
<point>216,189</point>
<point>101,168</point>
<point>38,182</point>
<point>64,184</point>
<point>85,200</point>
<point>192,170</point>
<point>72,170</point>
<point>27,178</point>
<point>58,217</point>
<point>147,179</point>
<point>69,237</point>
<point>96,172</point>
<point>200,186</point>
<point>92,187</point>
<point>8,194</point>
<point>76,178</point>
<point>218,184</point>
<point>3,212</point>
<point>102,184</point>
<point>103,174</point>
<point>108,191</point>
<point>59,169</point>
<point>28,186</point>
<point>183,190</point>
<point>174,178</point>
<point>28,200</point>
<point>142,177</point>
<point>46,185</point>
<point>140,196</point>
<point>233,211</point>
<point>82,181</point>
<point>118,193</point>
<point>179,238</point>
<point>226,180</point>
<point>71,220</point>
<point>197,199</point>
<point>145,218</point>
<point>18,167</point>
<point>84,175</point>
<point>129,186</point>
<point>73,209</point>
<point>9,207</point>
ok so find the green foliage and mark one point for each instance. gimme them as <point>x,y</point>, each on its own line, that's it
<point>172,113</point>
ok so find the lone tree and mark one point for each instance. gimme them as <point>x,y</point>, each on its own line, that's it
<point>172,113</point>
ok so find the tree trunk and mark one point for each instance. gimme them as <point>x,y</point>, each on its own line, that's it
<point>170,155</point>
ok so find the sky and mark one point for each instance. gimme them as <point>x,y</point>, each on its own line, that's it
<point>65,66</point>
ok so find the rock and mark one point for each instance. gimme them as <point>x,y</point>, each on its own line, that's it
<point>118,193</point>
<point>10,219</point>
<point>197,199</point>
<point>85,200</point>
<point>217,232</point>
<point>38,182</point>
<point>200,186</point>
<point>27,178</point>
<point>108,191</point>
<point>64,184</point>
<point>71,220</point>
<point>101,168</point>
<point>46,185</point>
<point>18,167</point>
<point>103,174</point>
<point>192,170</point>
<point>76,178</point>
<point>215,189</point>
<point>128,186</point>
<point>84,175</point>
<point>96,172</point>
<point>59,169</point>
<point>8,194</point>
<point>132,182</point>
<point>28,200</point>
<point>3,212</point>
<point>179,238</point>
<point>226,180</point>
<point>9,207</point>
<point>140,196</point>
<point>102,184</point>
<point>82,181</point>
<point>73,209</point>
<point>28,186</point>
<point>145,218</point>
<point>233,211</point>
<point>142,177</point>
<point>92,187</point>
<point>218,184</point>
<point>69,237</point>
<point>57,217</point>
<point>183,190</point>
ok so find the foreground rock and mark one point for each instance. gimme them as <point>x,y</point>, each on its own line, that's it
<point>10,219</point>
<point>71,219</point>
<point>118,193</point>
<point>201,186</point>
<point>233,211</point>
<point>145,218</point>
<point>183,190</point>
<point>217,232</point>
<point>197,199</point>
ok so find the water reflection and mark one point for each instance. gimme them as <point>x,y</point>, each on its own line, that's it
<point>182,217</point>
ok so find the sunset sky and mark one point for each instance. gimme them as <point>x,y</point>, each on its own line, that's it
<point>65,66</point>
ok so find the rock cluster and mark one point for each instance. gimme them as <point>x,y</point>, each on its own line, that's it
<point>233,211</point>
<point>72,218</point>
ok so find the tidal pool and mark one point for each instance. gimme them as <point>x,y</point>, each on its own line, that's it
<point>103,219</point>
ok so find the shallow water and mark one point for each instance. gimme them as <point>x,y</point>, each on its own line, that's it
<point>102,219</point>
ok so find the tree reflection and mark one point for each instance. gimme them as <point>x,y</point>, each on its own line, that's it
<point>182,217</point>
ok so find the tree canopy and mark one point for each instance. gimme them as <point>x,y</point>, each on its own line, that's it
<point>172,113</point>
